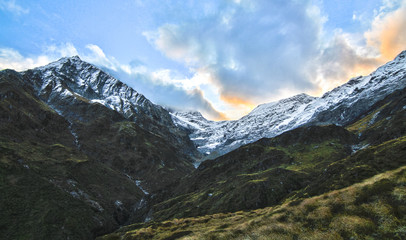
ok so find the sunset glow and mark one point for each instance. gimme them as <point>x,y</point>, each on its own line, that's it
<point>222,58</point>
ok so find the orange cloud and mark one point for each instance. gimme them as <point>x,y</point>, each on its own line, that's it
<point>343,59</point>
<point>340,62</point>
<point>240,106</point>
<point>237,101</point>
<point>363,69</point>
<point>388,33</point>
<point>221,116</point>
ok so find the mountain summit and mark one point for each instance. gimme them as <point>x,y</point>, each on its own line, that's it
<point>339,106</point>
<point>82,154</point>
<point>67,83</point>
<point>87,153</point>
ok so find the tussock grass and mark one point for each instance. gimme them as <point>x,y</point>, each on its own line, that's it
<point>340,214</point>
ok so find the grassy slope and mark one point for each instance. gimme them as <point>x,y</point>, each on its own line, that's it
<point>385,120</point>
<point>259,174</point>
<point>337,200</point>
<point>372,209</point>
<point>300,163</point>
<point>48,187</point>
<point>42,174</point>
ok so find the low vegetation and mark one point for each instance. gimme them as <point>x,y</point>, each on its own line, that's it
<point>372,209</point>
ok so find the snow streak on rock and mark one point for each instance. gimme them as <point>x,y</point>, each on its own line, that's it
<point>339,106</point>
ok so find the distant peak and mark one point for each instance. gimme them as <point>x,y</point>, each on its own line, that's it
<point>76,57</point>
<point>196,113</point>
<point>72,59</point>
<point>191,113</point>
<point>401,55</point>
<point>302,97</point>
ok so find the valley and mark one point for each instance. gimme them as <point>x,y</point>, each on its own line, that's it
<point>84,156</point>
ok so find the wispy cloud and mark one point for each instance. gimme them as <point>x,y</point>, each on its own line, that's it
<point>13,7</point>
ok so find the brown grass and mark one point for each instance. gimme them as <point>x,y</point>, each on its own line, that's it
<point>334,215</point>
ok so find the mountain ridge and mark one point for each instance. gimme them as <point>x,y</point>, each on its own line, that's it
<point>63,83</point>
<point>73,168</point>
<point>82,154</point>
<point>338,106</point>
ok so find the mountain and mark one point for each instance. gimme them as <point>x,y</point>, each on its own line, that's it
<point>70,81</point>
<point>298,163</point>
<point>338,106</point>
<point>81,153</point>
<point>372,209</point>
<point>329,181</point>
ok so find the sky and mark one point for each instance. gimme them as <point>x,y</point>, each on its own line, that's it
<point>219,57</point>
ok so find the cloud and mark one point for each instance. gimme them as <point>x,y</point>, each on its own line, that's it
<point>13,7</point>
<point>258,51</point>
<point>194,100</point>
<point>251,49</point>
<point>62,50</point>
<point>349,55</point>
<point>388,31</point>
<point>340,61</point>
<point>12,59</point>
<point>97,56</point>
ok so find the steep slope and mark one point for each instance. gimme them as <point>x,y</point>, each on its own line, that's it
<point>316,177</point>
<point>303,162</point>
<point>372,209</point>
<point>48,188</point>
<point>259,174</point>
<point>71,167</point>
<point>384,121</point>
<point>340,106</point>
<point>70,81</point>
<point>113,123</point>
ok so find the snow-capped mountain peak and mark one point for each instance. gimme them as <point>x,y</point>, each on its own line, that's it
<point>69,82</point>
<point>71,75</point>
<point>339,106</point>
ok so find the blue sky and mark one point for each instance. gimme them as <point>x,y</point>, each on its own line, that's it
<point>220,57</point>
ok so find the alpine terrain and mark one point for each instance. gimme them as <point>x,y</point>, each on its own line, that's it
<point>339,106</point>
<point>84,156</point>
